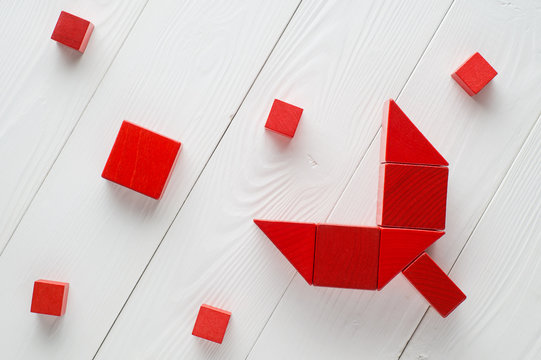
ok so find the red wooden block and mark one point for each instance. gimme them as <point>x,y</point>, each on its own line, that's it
<point>296,241</point>
<point>72,31</point>
<point>402,142</point>
<point>346,256</point>
<point>141,160</point>
<point>412,196</point>
<point>399,247</point>
<point>49,297</point>
<point>434,284</point>
<point>283,118</point>
<point>211,323</point>
<point>474,74</point>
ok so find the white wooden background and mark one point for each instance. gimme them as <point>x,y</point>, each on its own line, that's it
<point>205,72</point>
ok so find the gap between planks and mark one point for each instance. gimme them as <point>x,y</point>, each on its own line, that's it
<point>71,131</point>
<point>476,225</point>
<point>351,178</point>
<point>197,179</point>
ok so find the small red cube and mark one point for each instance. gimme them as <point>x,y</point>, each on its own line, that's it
<point>474,74</point>
<point>72,31</point>
<point>283,118</point>
<point>211,323</point>
<point>141,160</point>
<point>49,297</point>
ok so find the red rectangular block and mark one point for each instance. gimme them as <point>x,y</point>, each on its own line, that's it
<point>412,196</point>
<point>211,323</point>
<point>474,74</point>
<point>283,118</point>
<point>346,257</point>
<point>434,284</point>
<point>49,297</point>
<point>72,31</point>
<point>141,160</point>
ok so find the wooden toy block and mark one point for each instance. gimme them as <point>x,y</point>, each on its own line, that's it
<point>141,160</point>
<point>412,196</point>
<point>434,284</point>
<point>296,241</point>
<point>49,297</point>
<point>474,74</point>
<point>72,31</point>
<point>401,141</point>
<point>346,256</point>
<point>211,323</point>
<point>283,118</point>
<point>399,247</point>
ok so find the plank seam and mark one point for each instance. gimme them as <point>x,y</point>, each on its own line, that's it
<point>71,132</point>
<point>477,223</point>
<point>196,180</point>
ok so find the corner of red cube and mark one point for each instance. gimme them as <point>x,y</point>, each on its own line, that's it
<point>474,74</point>
<point>284,118</point>
<point>141,160</point>
<point>49,297</point>
<point>211,323</point>
<point>72,31</point>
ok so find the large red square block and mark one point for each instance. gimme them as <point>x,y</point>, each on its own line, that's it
<point>49,297</point>
<point>283,118</point>
<point>474,74</point>
<point>72,31</point>
<point>211,323</point>
<point>346,257</point>
<point>412,196</point>
<point>141,160</point>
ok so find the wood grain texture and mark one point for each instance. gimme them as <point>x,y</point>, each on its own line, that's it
<point>479,136</point>
<point>183,71</point>
<point>499,270</point>
<point>412,196</point>
<point>257,174</point>
<point>46,87</point>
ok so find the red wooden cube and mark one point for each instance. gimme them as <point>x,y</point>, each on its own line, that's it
<point>141,160</point>
<point>346,256</point>
<point>474,74</point>
<point>283,118</point>
<point>72,31</point>
<point>211,323</point>
<point>49,297</point>
<point>412,196</point>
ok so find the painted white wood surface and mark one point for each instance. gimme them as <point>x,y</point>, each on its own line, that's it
<point>500,269</point>
<point>183,71</point>
<point>338,60</point>
<point>479,137</point>
<point>46,87</point>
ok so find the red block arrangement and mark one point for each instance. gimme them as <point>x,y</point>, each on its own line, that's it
<point>283,118</point>
<point>399,247</point>
<point>211,323</point>
<point>72,31</point>
<point>296,241</point>
<point>412,196</point>
<point>346,256</point>
<point>474,74</point>
<point>436,287</point>
<point>402,142</point>
<point>141,160</point>
<point>49,297</point>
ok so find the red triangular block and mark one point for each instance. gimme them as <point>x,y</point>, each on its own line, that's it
<point>398,247</point>
<point>296,241</point>
<point>402,142</point>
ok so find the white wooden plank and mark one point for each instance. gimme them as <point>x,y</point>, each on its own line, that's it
<point>183,71</point>
<point>336,59</point>
<point>45,88</point>
<point>500,269</point>
<point>479,137</point>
